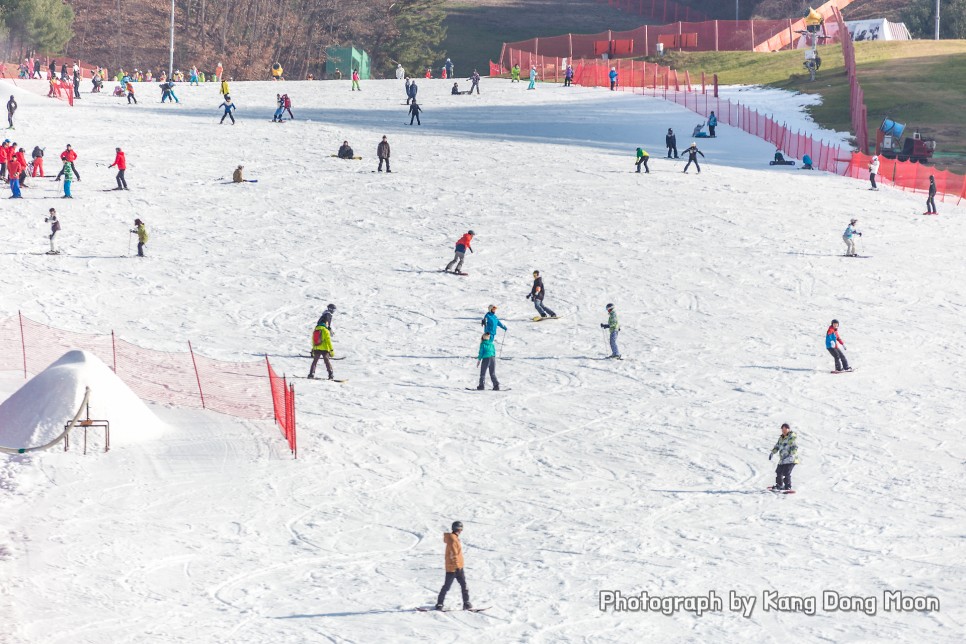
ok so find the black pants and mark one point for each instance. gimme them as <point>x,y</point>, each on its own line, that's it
<point>872,179</point>
<point>73,167</point>
<point>130,97</point>
<point>567,82</point>
<point>290,115</point>
<point>488,364</point>
<point>688,165</point>
<point>315,360</point>
<point>121,181</point>
<point>931,204</point>
<point>672,147</point>
<point>387,164</point>
<point>461,578</point>
<point>476,86</point>
<point>841,364</point>
<point>711,130</point>
<point>229,115</point>
<point>415,116</point>
<point>140,249</point>
<point>783,476</point>
<point>643,161</point>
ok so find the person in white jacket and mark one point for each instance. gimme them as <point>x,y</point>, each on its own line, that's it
<point>873,170</point>
<point>849,238</point>
<point>400,71</point>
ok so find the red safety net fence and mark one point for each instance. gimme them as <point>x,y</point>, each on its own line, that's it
<point>179,379</point>
<point>857,109</point>
<point>908,176</point>
<point>283,401</point>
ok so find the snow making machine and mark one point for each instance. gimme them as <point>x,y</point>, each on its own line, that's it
<point>914,148</point>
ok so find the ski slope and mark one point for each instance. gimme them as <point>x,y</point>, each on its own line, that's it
<point>589,475</point>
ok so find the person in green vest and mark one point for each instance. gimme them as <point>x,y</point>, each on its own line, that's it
<point>515,74</point>
<point>322,346</point>
<point>642,157</point>
<point>487,361</point>
<point>142,233</point>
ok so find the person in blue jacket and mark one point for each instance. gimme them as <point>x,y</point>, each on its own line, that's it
<point>411,90</point>
<point>228,107</point>
<point>807,163</point>
<point>613,78</point>
<point>491,322</point>
<point>712,123</point>
<point>832,342</point>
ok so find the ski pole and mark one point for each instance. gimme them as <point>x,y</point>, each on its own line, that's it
<point>129,233</point>
<point>502,342</point>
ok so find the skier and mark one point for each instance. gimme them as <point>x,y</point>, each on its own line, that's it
<point>787,450</point>
<point>537,294</point>
<point>642,157</point>
<point>68,172</point>
<point>121,163</point>
<point>54,229</point>
<point>5,154</point>
<point>129,88</point>
<point>224,88</point>
<point>712,123</point>
<point>228,107</point>
<point>11,108</point>
<point>345,151</point>
<point>449,67</point>
<point>476,82</point>
<point>931,201</point>
<point>486,360</point>
<point>615,328</point>
<point>287,102</point>
<point>568,76</point>
<point>849,238</point>
<point>462,245</point>
<point>454,567</point>
<point>613,78</point>
<point>414,110</point>
<point>22,161</point>
<point>873,170</point>
<point>832,340</point>
<point>411,90</point>
<point>322,343</point>
<point>671,141</point>
<point>533,78</point>
<point>69,156</point>
<point>382,151</point>
<point>355,80</point>
<point>693,153</point>
<point>491,322</point>
<point>279,109</point>
<point>515,73</point>
<point>13,177</point>
<point>142,234</point>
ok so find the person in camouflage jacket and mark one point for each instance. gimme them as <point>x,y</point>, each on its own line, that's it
<point>787,450</point>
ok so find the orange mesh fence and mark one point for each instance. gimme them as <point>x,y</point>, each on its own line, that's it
<point>181,379</point>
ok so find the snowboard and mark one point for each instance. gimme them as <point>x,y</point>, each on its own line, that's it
<point>859,256</point>
<point>352,158</point>
<point>500,389</point>
<point>432,609</point>
<point>781,163</point>
<point>612,358</point>
<point>320,379</point>
<point>849,370</point>
<point>461,273</point>
<point>930,213</point>
<point>330,358</point>
<point>772,489</point>
<point>541,319</point>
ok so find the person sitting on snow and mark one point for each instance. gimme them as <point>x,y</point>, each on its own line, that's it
<point>345,152</point>
<point>698,134</point>
<point>779,158</point>
<point>807,163</point>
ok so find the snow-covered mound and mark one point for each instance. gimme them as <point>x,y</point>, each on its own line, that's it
<point>37,412</point>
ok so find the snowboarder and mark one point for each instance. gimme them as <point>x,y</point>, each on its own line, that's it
<point>414,110</point>
<point>693,153</point>
<point>533,78</point>
<point>537,294</point>
<point>491,322</point>
<point>454,567</point>
<point>355,80</point>
<point>54,228</point>
<point>345,151</point>
<point>671,141</point>
<point>11,108</point>
<point>279,109</point>
<point>69,156</point>
<point>832,340</point>
<point>68,173</point>
<point>613,78</point>
<point>642,157</point>
<point>807,163</point>
<point>931,201</point>
<point>568,76</point>
<point>486,361</point>
<point>229,107</point>
<point>476,82</point>
<point>712,123</point>
<point>411,90</point>
<point>615,328</point>
<point>120,162</point>
<point>322,343</point>
<point>873,170</point>
<point>287,102</point>
<point>849,238</point>
<point>237,176</point>
<point>382,151</point>
<point>462,245</point>
<point>129,88</point>
<point>142,234</point>
<point>787,450</point>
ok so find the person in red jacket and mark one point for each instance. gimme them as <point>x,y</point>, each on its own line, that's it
<point>13,173</point>
<point>5,153</point>
<point>68,156</point>
<point>22,159</point>
<point>121,163</point>
<point>461,247</point>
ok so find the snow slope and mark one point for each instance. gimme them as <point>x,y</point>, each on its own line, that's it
<point>589,475</point>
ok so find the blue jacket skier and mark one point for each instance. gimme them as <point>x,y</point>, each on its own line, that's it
<point>490,322</point>
<point>228,106</point>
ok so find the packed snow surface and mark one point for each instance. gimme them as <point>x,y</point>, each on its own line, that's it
<point>588,475</point>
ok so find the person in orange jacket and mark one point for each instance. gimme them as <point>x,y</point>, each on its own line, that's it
<point>462,245</point>
<point>121,164</point>
<point>454,567</point>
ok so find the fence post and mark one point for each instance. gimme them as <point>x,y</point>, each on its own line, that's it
<point>716,35</point>
<point>114,350</point>
<point>23,345</point>
<point>716,90</point>
<point>197,376</point>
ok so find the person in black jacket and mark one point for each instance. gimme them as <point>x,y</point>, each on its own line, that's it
<point>345,152</point>
<point>536,294</point>
<point>672,143</point>
<point>414,110</point>
<point>931,201</point>
<point>693,153</point>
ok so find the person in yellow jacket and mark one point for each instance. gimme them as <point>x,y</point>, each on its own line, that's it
<point>322,348</point>
<point>142,236</point>
<point>224,88</point>
<point>277,71</point>
<point>454,566</point>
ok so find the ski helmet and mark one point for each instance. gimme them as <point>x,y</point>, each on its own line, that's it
<point>853,221</point>
<point>609,307</point>
<point>835,321</point>
<point>331,307</point>
<point>457,525</point>
<point>470,232</point>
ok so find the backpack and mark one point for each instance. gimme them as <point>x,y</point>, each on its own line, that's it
<point>317,337</point>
